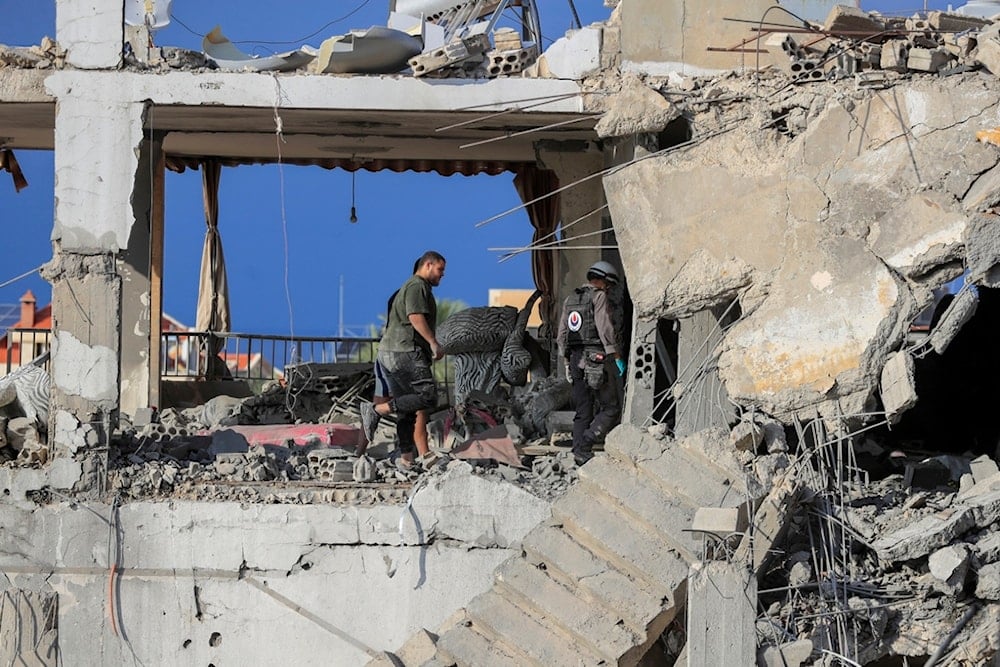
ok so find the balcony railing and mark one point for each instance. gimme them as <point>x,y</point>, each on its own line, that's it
<point>23,345</point>
<point>240,356</point>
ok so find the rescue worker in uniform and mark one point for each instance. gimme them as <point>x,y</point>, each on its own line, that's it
<point>594,364</point>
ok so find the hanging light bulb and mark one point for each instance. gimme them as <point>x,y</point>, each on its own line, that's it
<point>354,210</point>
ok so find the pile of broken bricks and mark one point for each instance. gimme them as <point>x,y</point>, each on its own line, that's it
<point>46,55</point>
<point>872,48</point>
<point>473,57</point>
<point>208,453</point>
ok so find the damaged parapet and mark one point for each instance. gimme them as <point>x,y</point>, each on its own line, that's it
<point>855,44</point>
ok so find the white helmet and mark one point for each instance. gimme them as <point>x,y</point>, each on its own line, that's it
<point>603,270</point>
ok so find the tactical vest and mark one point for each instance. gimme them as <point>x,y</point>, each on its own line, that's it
<point>581,330</point>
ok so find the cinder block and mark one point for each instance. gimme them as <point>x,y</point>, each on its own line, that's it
<point>717,520</point>
<point>894,54</point>
<point>870,54</point>
<point>928,60</point>
<point>453,53</point>
<point>988,53</point>
<point>501,63</point>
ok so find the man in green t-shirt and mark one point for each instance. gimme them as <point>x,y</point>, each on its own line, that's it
<point>406,352</point>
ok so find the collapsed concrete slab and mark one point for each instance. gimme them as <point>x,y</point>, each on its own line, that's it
<point>798,350</point>
<point>852,211</point>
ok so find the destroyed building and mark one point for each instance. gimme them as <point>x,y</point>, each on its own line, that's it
<point>801,476</point>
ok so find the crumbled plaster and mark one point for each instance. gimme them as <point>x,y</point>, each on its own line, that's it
<point>90,372</point>
<point>70,433</point>
<point>16,483</point>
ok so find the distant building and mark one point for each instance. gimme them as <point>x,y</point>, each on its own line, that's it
<point>516,298</point>
<point>28,330</point>
<point>28,336</point>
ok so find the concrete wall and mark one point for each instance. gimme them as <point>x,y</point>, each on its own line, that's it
<point>571,162</point>
<point>227,583</point>
<point>91,31</point>
<point>661,37</point>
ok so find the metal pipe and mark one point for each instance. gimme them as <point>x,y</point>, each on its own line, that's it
<point>497,114</point>
<point>510,135</point>
<point>611,170</point>
<point>962,622</point>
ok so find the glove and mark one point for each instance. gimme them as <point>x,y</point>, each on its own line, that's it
<point>566,369</point>
<point>620,363</point>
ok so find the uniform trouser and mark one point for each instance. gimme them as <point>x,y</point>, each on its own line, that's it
<point>412,386</point>
<point>597,410</point>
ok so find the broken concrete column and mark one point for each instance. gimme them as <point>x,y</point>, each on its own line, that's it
<point>722,611</point>
<point>140,355</point>
<point>95,191</point>
<point>91,32</point>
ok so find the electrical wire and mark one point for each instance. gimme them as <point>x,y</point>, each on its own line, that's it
<point>23,275</point>
<point>292,41</point>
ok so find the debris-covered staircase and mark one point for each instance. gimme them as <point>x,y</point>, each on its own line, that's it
<point>601,580</point>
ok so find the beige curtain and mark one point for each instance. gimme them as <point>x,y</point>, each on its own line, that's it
<point>531,183</point>
<point>213,289</point>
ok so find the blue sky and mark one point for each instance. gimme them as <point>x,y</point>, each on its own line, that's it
<point>400,215</point>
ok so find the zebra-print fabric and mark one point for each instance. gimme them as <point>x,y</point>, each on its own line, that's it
<point>481,329</point>
<point>30,384</point>
<point>487,345</point>
<point>515,360</point>
<point>476,371</point>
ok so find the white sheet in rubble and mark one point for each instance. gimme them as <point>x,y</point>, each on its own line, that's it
<point>431,33</point>
<point>224,53</point>
<point>377,50</point>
